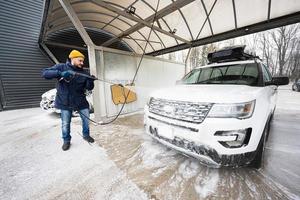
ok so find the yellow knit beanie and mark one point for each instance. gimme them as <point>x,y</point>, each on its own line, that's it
<point>75,54</point>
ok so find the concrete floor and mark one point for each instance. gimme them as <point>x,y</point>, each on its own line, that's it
<point>124,163</point>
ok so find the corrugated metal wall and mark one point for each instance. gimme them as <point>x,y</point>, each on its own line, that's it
<point>21,59</point>
<point>70,36</point>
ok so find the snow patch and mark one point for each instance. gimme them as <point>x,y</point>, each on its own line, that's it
<point>188,169</point>
<point>207,185</point>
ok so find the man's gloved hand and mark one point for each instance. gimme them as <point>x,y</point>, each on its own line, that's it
<point>66,74</point>
<point>93,78</point>
<point>89,84</point>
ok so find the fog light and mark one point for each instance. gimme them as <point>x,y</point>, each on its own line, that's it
<point>234,138</point>
<point>155,131</point>
<point>151,129</point>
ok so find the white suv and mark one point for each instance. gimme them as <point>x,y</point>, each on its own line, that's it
<point>219,113</point>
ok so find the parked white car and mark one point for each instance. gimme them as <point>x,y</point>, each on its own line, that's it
<point>219,113</point>
<point>48,98</point>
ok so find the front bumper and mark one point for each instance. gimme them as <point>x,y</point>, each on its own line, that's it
<point>203,153</point>
<point>197,141</point>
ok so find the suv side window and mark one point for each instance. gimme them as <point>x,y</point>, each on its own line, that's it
<point>266,73</point>
<point>192,77</point>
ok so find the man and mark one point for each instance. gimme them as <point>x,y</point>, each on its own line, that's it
<point>70,94</point>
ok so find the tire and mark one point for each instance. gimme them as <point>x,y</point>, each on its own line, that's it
<point>272,115</point>
<point>259,154</point>
<point>268,128</point>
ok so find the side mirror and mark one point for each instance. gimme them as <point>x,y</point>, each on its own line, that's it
<point>281,80</point>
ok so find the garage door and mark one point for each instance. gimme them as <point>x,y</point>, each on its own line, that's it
<point>21,59</point>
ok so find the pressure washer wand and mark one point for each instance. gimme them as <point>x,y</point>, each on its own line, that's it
<point>95,78</point>
<point>91,77</point>
<point>84,75</point>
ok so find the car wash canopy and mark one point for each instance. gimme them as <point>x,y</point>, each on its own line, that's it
<point>177,24</point>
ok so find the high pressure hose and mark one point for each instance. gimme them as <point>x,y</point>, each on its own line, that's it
<point>137,70</point>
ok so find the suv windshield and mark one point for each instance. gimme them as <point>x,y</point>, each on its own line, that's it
<point>240,74</point>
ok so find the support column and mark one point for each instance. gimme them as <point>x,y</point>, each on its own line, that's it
<point>101,85</point>
<point>50,54</point>
<point>96,92</point>
<point>99,107</point>
<point>76,22</point>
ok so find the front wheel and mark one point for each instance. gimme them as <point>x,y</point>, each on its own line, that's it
<point>259,154</point>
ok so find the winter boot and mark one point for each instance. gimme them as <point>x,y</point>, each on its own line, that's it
<point>66,146</point>
<point>89,139</point>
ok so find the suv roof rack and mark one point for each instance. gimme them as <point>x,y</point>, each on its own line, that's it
<point>231,53</point>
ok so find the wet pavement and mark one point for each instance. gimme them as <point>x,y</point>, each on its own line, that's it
<point>125,163</point>
<point>164,173</point>
<point>33,165</point>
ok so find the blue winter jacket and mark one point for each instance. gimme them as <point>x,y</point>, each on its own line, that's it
<point>70,96</point>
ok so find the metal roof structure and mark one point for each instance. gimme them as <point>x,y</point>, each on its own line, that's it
<point>177,25</point>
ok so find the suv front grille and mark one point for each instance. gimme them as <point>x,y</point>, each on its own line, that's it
<point>180,110</point>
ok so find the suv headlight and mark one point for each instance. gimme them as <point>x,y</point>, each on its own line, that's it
<point>238,110</point>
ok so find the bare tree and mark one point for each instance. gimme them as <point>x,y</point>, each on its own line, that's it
<point>194,57</point>
<point>172,56</point>
<point>230,42</point>
<point>267,51</point>
<point>284,40</point>
<point>294,64</point>
<point>206,49</point>
<point>277,48</point>
<point>252,43</point>
<point>198,55</point>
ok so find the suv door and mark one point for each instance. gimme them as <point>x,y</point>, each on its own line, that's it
<point>271,89</point>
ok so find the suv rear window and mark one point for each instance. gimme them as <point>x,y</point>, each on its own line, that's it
<point>240,74</point>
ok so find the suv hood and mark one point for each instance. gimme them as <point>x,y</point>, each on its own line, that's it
<point>209,93</point>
